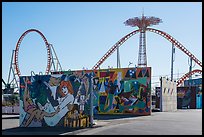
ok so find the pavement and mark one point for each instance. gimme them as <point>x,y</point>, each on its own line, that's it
<point>180,122</point>
<point>10,124</point>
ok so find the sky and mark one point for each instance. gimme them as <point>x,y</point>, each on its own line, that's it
<point>82,32</point>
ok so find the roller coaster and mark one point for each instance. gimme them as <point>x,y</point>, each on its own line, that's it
<point>52,61</point>
<point>163,34</point>
<point>51,54</point>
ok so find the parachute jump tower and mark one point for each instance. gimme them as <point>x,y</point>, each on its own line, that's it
<point>142,23</point>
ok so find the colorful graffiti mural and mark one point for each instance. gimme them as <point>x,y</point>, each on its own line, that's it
<point>193,82</point>
<point>64,99</point>
<point>55,100</point>
<point>122,91</point>
<point>198,84</point>
<point>168,95</point>
<point>186,97</point>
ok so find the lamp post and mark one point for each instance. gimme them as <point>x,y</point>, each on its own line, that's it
<point>91,99</point>
<point>129,64</point>
<point>172,60</point>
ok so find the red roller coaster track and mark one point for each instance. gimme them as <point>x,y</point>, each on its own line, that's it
<point>163,34</point>
<point>18,46</point>
<point>113,48</point>
<point>185,76</point>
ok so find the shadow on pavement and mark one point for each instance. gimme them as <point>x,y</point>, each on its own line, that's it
<point>38,130</point>
<point>111,116</point>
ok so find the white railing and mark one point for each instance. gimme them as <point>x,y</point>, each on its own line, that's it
<point>10,109</point>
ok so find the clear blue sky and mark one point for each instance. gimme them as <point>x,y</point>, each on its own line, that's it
<point>82,32</point>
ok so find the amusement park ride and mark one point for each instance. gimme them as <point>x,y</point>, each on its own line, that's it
<point>52,62</point>
<point>142,23</point>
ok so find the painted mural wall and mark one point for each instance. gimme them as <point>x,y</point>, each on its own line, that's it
<point>123,91</point>
<point>55,100</point>
<point>64,99</point>
<point>193,82</point>
<point>168,95</point>
<point>186,97</point>
<point>198,84</point>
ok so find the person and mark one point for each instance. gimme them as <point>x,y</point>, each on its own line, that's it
<point>31,109</point>
<point>53,86</point>
<point>64,98</point>
<point>65,94</point>
<point>82,95</point>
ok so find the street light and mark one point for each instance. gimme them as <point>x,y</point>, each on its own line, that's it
<point>130,64</point>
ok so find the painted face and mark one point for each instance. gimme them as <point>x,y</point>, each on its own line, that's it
<point>65,90</point>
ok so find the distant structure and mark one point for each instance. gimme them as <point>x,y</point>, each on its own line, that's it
<point>142,23</point>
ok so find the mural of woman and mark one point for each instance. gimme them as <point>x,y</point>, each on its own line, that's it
<point>65,94</point>
<point>31,109</point>
<point>65,98</point>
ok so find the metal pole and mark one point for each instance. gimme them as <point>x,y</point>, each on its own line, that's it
<point>91,102</point>
<point>189,82</point>
<point>160,92</point>
<point>118,58</point>
<point>172,61</point>
<point>190,67</point>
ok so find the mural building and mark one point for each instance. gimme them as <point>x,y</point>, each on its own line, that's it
<point>188,97</point>
<point>64,99</point>
<point>55,100</point>
<point>123,91</point>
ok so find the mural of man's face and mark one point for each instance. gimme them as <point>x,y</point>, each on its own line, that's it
<point>54,81</point>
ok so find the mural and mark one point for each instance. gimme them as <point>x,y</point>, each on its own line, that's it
<point>168,95</point>
<point>186,97</point>
<point>64,99</point>
<point>122,91</point>
<point>199,99</point>
<point>198,84</point>
<point>55,100</point>
<point>193,82</point>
